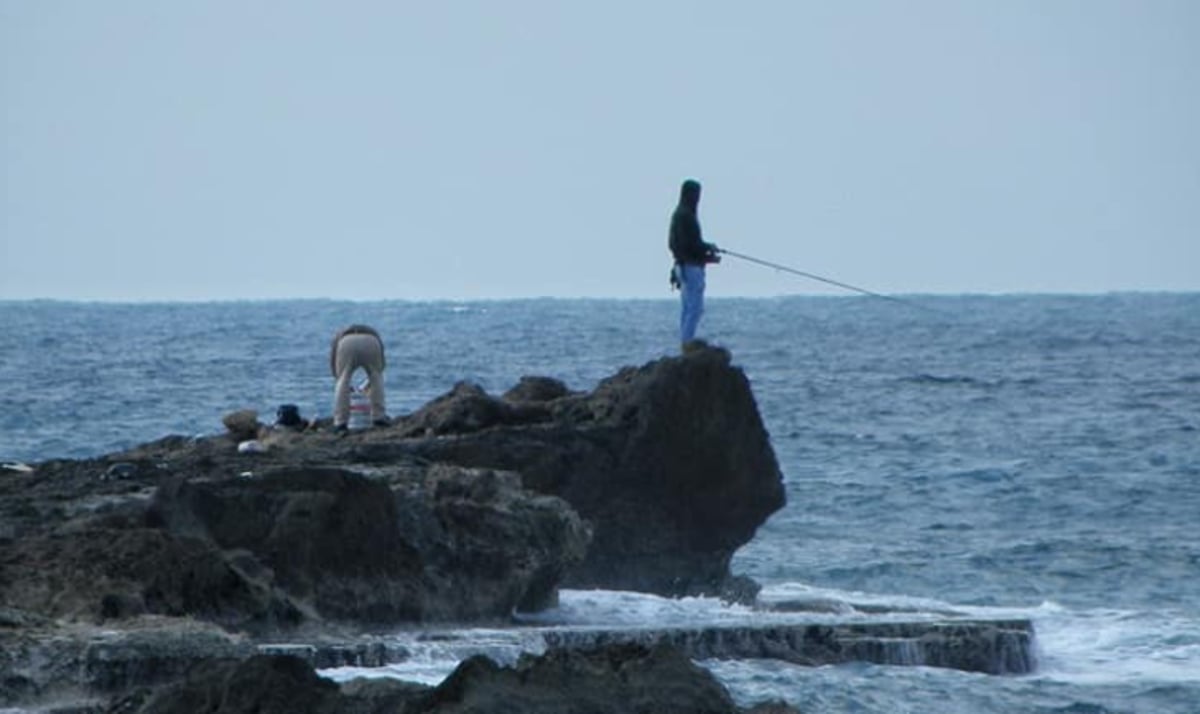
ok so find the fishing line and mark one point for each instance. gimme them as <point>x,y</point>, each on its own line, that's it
<point>830,281</point>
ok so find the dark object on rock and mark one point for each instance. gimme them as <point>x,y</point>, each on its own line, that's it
<point>242,425</point>
<point>288,415</point>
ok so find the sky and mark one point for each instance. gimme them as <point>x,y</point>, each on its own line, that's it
<point>224,149</point>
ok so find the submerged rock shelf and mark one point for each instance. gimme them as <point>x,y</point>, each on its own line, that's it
<point>991,647</point>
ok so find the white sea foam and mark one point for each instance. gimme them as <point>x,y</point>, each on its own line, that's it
<point>614,608</point>
<point>1118,646</point>
<point>434,654</point>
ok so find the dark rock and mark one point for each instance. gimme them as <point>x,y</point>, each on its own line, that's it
<point>440,544</point>
<point>465,409</point>
<point>295,544</point>
<point>326,537</point>
<point>262,684</point>
<point>95,572</point>
<point>488,546</point>
<point>670,463</point>
<point>536,389</point>
<point>621,679</point>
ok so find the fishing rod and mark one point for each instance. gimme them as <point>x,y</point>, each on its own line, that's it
<point>830,281</point>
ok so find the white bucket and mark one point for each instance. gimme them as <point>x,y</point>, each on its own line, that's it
<point>360,410</point>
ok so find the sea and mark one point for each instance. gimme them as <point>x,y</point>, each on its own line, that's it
<point>1008,456</point>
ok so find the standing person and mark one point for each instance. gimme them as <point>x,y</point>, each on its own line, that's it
<point>691,254</point>
<point>357,347</point>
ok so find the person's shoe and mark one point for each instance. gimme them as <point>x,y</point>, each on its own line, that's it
<point>341,429</point>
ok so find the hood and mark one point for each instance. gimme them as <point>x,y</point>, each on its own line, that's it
<point>689,194</point>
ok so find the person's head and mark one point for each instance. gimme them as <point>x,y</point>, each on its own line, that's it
<point>689,194</point>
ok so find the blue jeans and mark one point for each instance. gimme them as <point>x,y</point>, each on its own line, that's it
<point>692,295</point>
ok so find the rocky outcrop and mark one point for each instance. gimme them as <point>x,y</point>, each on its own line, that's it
<point>669,465</point>
<point>669,462</point>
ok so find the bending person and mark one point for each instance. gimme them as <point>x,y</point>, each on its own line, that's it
<point>357,347</point>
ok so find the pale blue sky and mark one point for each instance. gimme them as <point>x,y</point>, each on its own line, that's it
<point>216,149</point>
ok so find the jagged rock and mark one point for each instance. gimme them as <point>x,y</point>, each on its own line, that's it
<point>291,545</point>
<point>488,546</point>
<point>326,537</point>
<point>536,389</point>
<point>670,462</point>
<point>468,408</point>
<point>620,679</point>
<point>99,572</point>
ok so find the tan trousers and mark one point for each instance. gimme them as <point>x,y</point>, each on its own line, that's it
<point>356,352</point>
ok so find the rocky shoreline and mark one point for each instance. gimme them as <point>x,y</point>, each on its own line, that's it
<point>169,573</point>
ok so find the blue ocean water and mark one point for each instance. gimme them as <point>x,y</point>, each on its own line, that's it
<point>1010,456</point>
